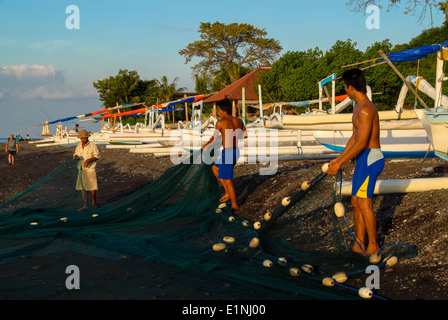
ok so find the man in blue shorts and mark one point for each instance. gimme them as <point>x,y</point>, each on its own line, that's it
<point>364,144</point>
<point>231,129</point>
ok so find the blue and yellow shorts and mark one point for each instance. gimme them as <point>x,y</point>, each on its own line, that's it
<point>225,164</point>
<point>369,165</point>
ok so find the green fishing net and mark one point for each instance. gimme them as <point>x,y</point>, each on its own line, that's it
<point>177,221</point>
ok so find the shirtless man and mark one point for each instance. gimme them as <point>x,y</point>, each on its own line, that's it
<point>231,129</point>
<point>364,144</point>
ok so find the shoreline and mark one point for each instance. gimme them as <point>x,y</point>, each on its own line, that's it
<point>419,219</point>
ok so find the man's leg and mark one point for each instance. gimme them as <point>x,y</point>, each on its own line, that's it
<point>84,199</point>
<point>226,196</point>
<point>93,196</point>
<point>231,192</point>
<point>360,228</point>
<point>368,216</point>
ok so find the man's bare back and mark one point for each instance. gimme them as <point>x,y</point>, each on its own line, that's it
<point>231,130</point>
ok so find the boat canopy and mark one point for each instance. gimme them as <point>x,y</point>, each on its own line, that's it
<point>415,53</point>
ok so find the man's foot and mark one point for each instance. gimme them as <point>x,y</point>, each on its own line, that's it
<point>224,198</point>
<point>83,208</point>
<point>359,248</point>
<point>372,250</point>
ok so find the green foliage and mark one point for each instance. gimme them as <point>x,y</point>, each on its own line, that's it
<point>203,83</point>
<point>295,76</point>
<point>443,6</point>
<point>228,74</point>
<point>383,81</point>
<point>232,45</point>
<point>127,87</point>
<point>121,89</point>
<point>425,67</point>
<point>165,90</point>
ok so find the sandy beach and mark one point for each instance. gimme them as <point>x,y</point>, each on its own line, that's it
<point>418,219</point>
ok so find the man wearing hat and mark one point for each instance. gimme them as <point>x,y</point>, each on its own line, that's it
<point>87,154</point>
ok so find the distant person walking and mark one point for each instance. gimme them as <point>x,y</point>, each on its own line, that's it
<point>12,147</point>
<point>87,153</point>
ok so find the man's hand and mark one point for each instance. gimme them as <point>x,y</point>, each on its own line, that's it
<point>76,157</point>
<point>333,167</point>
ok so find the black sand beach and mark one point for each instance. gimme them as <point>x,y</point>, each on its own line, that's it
<point>418,219</point>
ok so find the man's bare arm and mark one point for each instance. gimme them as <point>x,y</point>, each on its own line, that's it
<point>214,137</point>
<point>355,144</point>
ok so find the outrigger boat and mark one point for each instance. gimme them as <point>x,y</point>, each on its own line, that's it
<point>413,133</point>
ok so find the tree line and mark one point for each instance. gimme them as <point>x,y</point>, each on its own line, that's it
<point>228,52</point>
<point>295,76</point>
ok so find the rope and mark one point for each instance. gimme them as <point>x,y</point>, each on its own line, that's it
<point>343,218</point>
<point>354,236</point>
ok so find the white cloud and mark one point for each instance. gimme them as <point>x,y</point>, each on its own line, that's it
<point>25,71</point>
<point>28,82</point>
<point>74,91</point>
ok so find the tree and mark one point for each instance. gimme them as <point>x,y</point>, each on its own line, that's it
<point>295,76</point>
<point>227,74</point>
<point>443,6</point>
<point>224,45</point>
<point>119,89</point>
<point>411,6</point>
<point>167,90</point>
<point>203,82</point>
<point>382,79</point>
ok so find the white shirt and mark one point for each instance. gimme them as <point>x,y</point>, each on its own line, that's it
<point>90,150</point>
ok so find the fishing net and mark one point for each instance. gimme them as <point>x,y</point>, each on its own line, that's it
<point>177,221</point>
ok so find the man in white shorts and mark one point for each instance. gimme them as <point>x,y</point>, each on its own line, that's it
<point>87,153</point>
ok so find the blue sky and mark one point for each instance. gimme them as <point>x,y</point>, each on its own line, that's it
<point>47,70</point>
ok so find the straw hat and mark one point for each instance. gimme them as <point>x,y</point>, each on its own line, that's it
<point>83,134</point>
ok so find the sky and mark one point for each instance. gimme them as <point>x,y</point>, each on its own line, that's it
<point>47,67</point>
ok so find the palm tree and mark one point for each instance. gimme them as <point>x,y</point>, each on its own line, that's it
<point>165,91</point>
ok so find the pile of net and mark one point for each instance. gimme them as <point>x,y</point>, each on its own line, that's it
<point>178,221</point>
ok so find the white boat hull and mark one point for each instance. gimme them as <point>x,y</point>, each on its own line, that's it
<point>437,128</point>
<point>394,143</point>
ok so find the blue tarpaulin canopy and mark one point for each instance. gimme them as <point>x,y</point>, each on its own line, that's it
<point>415,53</point>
